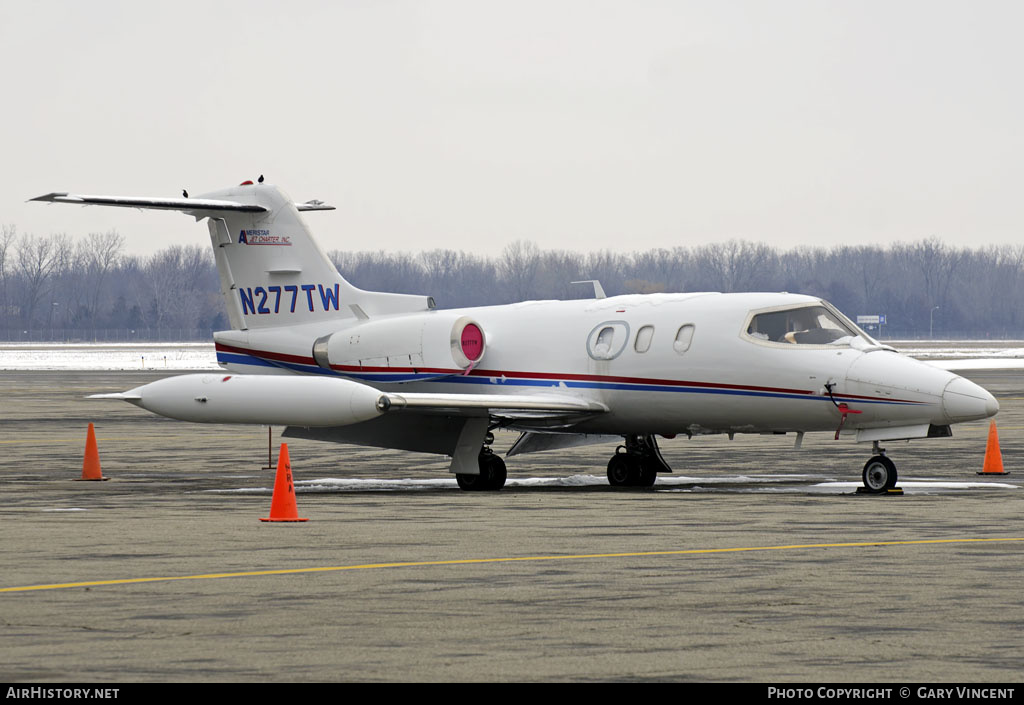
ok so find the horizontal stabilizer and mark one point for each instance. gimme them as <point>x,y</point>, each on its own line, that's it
<point>313,205</point>
<point>188,205</point>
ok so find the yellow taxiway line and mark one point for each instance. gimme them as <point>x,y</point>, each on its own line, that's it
<point>472,561</point>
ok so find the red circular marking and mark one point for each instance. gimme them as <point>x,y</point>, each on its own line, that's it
<point>472,342</point>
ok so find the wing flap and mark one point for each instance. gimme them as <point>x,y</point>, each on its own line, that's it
<point>533,442</point>
<point>507,405</point>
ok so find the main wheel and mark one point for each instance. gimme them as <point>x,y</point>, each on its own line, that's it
<point>879,474</point>
<point>492,475</point>
<point>648,475</point>
<point>495,471</point>
<point>471,483</point>
<point>623,470</point>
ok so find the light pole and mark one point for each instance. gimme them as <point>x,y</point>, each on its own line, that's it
<point>931,319</point>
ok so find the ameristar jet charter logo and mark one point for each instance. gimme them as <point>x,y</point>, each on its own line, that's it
<point>262,237</point>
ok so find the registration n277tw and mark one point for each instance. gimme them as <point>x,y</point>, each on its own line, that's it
<point>309,351</point>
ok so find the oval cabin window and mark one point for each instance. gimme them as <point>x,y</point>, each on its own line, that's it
<point>683,339</point>
<point>643,339</point>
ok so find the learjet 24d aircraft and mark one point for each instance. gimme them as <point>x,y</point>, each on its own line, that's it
<point>332,362</point>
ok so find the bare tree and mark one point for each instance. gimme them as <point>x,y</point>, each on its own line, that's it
<point>607,267</point>
<point>173,295</point>
<point>8,235</point>
<point>555,276</point>
<point>459,279</point>
<point>36,257</point>
<point>738,265</point>
<point>95,285</point>
<point>519,266</point>
<point>99,254</point>
<point>659,270</point>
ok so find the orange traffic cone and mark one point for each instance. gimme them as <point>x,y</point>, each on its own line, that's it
<point>282,505</point>
<point>993,456</point>
<point>91,463</point>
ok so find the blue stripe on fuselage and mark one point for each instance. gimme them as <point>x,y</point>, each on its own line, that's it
<point>399,377</point>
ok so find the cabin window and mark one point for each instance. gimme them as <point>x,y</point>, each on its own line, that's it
<point>607,340</point>
<point>806,325</point>
<point>683,338</point>
<point>643,339</point>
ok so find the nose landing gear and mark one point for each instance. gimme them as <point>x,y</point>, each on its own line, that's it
<point>636,464</point>
<point>879,473</point>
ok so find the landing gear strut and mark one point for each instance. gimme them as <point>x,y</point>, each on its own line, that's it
<point>879,472</point>
<point>492,471</point>
<point>637,463</point>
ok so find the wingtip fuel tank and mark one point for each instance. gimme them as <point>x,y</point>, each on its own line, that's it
<point>276,400</point>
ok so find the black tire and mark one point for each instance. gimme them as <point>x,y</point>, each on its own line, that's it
<point>623,470</point>
<point>491,478</point>
<point>496,471</point>
<point>647,477</point>
<point>879,474</point>
<point>471,483</point>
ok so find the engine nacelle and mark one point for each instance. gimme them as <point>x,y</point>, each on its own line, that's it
<point>435,341</point>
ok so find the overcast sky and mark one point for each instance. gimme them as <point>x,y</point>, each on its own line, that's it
<point>579,125</point>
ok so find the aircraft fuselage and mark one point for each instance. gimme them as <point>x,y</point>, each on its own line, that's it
<point>672,364</point>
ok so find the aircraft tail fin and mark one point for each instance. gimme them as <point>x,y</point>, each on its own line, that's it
<point>272,272</point>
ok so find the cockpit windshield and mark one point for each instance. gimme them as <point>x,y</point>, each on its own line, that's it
<point>804,325</point>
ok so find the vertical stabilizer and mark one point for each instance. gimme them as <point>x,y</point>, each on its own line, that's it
<point>272,272</point>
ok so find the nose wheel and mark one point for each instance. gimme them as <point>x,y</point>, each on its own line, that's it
<point>879,475</point>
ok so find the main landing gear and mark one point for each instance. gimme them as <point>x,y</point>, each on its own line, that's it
<point>879,473</point>
<point>637,463</point>
<point>492,471</point>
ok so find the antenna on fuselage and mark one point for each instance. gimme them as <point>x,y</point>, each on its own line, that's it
<point>598,289</point>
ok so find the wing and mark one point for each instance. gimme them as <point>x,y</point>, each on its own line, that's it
<point>434,423</point>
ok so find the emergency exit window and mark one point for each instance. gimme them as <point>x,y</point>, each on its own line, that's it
<point>607,340</point>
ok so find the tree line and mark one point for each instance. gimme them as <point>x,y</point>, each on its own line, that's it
<point>61,288</point>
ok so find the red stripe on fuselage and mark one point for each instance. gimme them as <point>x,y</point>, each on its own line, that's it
<point>347,369</point>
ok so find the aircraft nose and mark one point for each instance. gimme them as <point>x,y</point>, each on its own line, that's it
<point>963,400</point>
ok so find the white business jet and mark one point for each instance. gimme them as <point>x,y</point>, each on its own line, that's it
<point>332,362</point>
